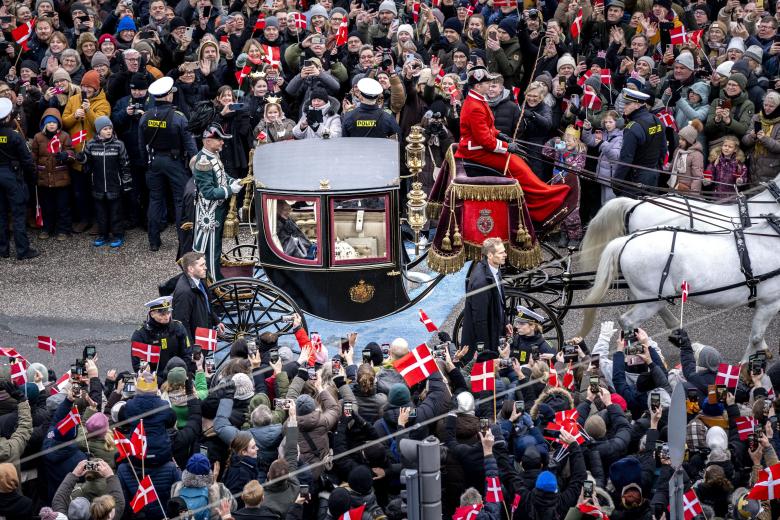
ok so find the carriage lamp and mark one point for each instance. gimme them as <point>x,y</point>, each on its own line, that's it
<point>417,200</point>
<point>415,151</point>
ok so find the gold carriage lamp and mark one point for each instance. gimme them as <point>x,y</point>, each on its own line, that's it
<point>417,200</point>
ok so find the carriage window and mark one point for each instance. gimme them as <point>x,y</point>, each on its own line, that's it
<point>293,225</point>
<point>360,231</point>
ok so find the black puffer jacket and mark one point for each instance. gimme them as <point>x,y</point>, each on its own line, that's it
<point>369,403</point>
<point>106,160</point>
<point>506,111</point>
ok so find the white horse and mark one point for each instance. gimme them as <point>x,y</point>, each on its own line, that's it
<point>610,222</point>
<point>705,261</point>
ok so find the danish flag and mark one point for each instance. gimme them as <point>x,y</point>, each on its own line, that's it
<point>728,375</point>
<point>679,35</point>
<point>260,22</point>
<point>343,33</point>
<point>145,494</point>
<point>516,94</point>
<point>691,505</point>
<point>568,378</point>
<point>55,145</point>
<point>469,11</point>
<point>206,338</point>
<point>483,376</point>
<point>353,514</point>
<point>767,487</point>
<point>18,373</point>
<point>576,25</point>
<point>38,211</point>
<point>606,76</point>
<point>262,136</point>
<point>435,3</point>
<point>582,79</point>
<point>685,289</point>
<point>78,137</point>
<point>592,511</point>
<point>591,100</point>
<point>745,426</point>
<point>22,33</point>
<point>695,37</point>
<point>425,320</point>
<point>505,3</point>
<point>272,56</point>
<point>469,512</point>
<point>515,503</point>
<point>60,384</point>
<point>243,73</point>
<point>123,446</point>
<point>46,343</point>
<point>439,76</point>
<point>553,379</point>
<point>145,352</point>
<point>70,421</point>
<point>417,365</point>
<point>493,490</point>
<point>9,352</point>
<point>566,415</point>
<point>667,119</point>
<point>138,441</point>
<point>416,12</point>
<point>300,21</point>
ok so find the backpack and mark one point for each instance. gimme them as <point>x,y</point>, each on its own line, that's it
<point>197,498</point>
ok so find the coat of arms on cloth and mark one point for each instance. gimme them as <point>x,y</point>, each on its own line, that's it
<point>485,222</point>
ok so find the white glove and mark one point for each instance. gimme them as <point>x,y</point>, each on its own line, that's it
<point>235,186</point>
<point>607,330</point>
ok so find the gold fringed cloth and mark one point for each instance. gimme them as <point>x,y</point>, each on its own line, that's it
<point>439,191</point>
<point>476,208</point>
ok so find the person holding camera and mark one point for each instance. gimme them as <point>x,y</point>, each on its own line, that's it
<point>320,118</point>
<point>635,356</point>
<point>98,475</point>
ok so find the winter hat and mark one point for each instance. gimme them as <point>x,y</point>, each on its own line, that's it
<point>531,458</point>
<point>664,3</point>
<point>319,93</point>
<point>245,389</point>
<point>115,411</point>
<point>104,37</point>
<point>702,7</point>
<point>318,10</point>
<point>717,438</point>
<point>737,43</point>
<point>595,426</point>
<point>177,376</point>
<point>691,131</point>
<point>545,413</point>
<point>508,25</point>
<point>97,424</point>
<point>399,395</point>
<point>199,465</point>
<point>686,60</point>
<point>594,82</point>
<point>32,391</point>
<point>388,5</point>
<point>625,471</point>
<point>100,123</point>
<point>360,479</point>
<point>739,79</point>
<point>272,21</point>
<point>453,24</point>
<point>176,22</point>
<point>91,79</point>
<point>286,354</point>
<point>724,69</point>
<point>755,53</point>
<point>566,59</point>
<point>647,59</point>
<point>377,357</point>
<point>100,59</point>
<point>78,7</point>
<point>305,405</point>
<point>465,403</point>
<point>61,74</point>
<point>709,358</point>
<point>405,27</point>
<point>147,382</point>
<point>338,10</point>
<point>30,64</point>
<point>636,83</point>
<point>546,481</point>
<point>338,502</point>
<point>125,24</point>
<point>78,509</point>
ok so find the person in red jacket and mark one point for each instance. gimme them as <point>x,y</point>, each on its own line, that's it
<point>482,143</point>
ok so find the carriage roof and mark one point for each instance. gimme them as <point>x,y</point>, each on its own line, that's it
<point>349,164</point>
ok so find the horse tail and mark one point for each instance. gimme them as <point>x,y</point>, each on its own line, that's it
<point>605,276</point>
<point>607,225</point>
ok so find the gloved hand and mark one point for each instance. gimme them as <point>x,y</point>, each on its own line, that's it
<point>61,157</point>
<point>235,186</point>
<point>530,115</point>
<point>228,390</point>
<point>13,391</point>
<point>479,41</point>
<point>303,373</point>
<point>679,338</point>
<point>503,137</point>
<point>514,148</point>
<point>607,331</point>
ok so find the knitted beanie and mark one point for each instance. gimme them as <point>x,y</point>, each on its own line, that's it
<point>399,395</point>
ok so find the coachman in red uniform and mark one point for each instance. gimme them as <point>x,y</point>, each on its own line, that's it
<point>479,143</point>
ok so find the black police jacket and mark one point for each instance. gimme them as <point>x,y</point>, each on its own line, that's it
<point>369,121</point>
<point>171,338</point>
<point>644,148</point>
<point>164,130</point>
<point>14,154</point>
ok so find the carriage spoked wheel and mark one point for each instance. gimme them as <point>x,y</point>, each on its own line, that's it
<point>552,330</point>
<point>245,254</point>
<point>249,307</point>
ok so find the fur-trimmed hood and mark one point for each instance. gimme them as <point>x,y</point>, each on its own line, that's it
<point>196,481</point>
<point>553,397</point>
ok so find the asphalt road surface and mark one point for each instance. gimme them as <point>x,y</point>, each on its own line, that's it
<point>79,295</point>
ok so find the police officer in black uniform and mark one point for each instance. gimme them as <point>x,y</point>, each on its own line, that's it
<point>369,119</point>
<point>15,162</point>
<point>644,147</point>
<point>166,146</point>
<point>160,329</point>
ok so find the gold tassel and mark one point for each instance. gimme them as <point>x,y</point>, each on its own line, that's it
<point>230,228</point>
<point>446,244</point>
<point>523,238</point>
<point>443,263</point>
<point>457,240</point>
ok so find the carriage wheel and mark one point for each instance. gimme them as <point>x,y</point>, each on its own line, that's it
<point>546,283</point>
<point>553,332</point>
<point>247,253</point>
<point>249,307</point>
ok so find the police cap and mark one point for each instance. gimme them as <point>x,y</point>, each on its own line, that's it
<point>369,87</point>
<point>526,315</point>
<point>162,87</point>
<point>634,96</point>
<point>163,303</point>
<point>5,107</point>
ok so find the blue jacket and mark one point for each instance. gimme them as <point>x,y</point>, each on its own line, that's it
<point>636,400</point>
<point>155,425</point>
<point>163,478</point>
<point>240,471</point>
<point>61,458</point>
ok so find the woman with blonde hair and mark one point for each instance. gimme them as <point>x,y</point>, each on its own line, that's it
<point>568,156</point>
<point>368,399</point>
<point>103,508</point>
